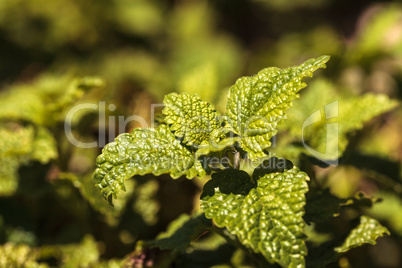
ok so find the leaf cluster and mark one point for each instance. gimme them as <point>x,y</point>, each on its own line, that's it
<point>263,214</point>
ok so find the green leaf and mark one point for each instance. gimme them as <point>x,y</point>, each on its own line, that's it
<point>45,101</point>
<point>8,175</point>
<point>21,104</point>
<point>141,152</point>
<point>389,210</point>
<point>257,104</point>
<point>191,118</point>
<point>19,145</point>
<point>353,113</point>
<point>12,255</point>
<point>347,114</point>
<point>86,187</point>
<point>44,146</point>
<point>377,37</point>
<point>84,254</point>
<point>146,201</point>
<point>15,147</point>
<point>180,233</point>
<point>321,205</point>
<point>203,80</point>
<point>229,181</point>
<point>265,215</point>
<point>271,165</point>
<point>365,233</point>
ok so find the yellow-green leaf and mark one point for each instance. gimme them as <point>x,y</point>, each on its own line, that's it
<point>366,232</point>
<point>258,103</point>
<point>141,152</point>
<point>190,118</point>
<point>265,215</point>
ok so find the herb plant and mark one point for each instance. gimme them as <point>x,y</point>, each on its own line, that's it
<point>267,213</point>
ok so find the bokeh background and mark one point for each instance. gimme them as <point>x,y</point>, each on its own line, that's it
<point>130,53</point>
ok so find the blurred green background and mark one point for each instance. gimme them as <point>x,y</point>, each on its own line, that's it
<point>55,55</point>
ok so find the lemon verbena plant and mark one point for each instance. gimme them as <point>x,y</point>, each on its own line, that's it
<point>265,212</point>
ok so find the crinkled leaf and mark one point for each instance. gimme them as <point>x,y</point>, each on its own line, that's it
<point>141,152</point>
<point>191,118</point>
<point>265,215</point>
<point>366,232</point>
<point>257,104</point>
<point>180,233</point>
<point>327,135</point>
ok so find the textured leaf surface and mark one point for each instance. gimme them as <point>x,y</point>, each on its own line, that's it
<point>265,215</point>
<point>141,152</point>
<point>181,233</point>
<point>365,233</point>
<point>191,118</point>
<point>257,104</point>
<point>348,113</point>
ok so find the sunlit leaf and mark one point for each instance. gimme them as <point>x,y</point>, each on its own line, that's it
<point>141,152</point>
<point>265,215</point>
<point>191,118</point>
<point>366,232</point>
<point>258,103</point>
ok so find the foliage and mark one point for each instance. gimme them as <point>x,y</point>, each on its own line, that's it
<point>52,53</point>
<point>367,232</point>
<point>263,212</point>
